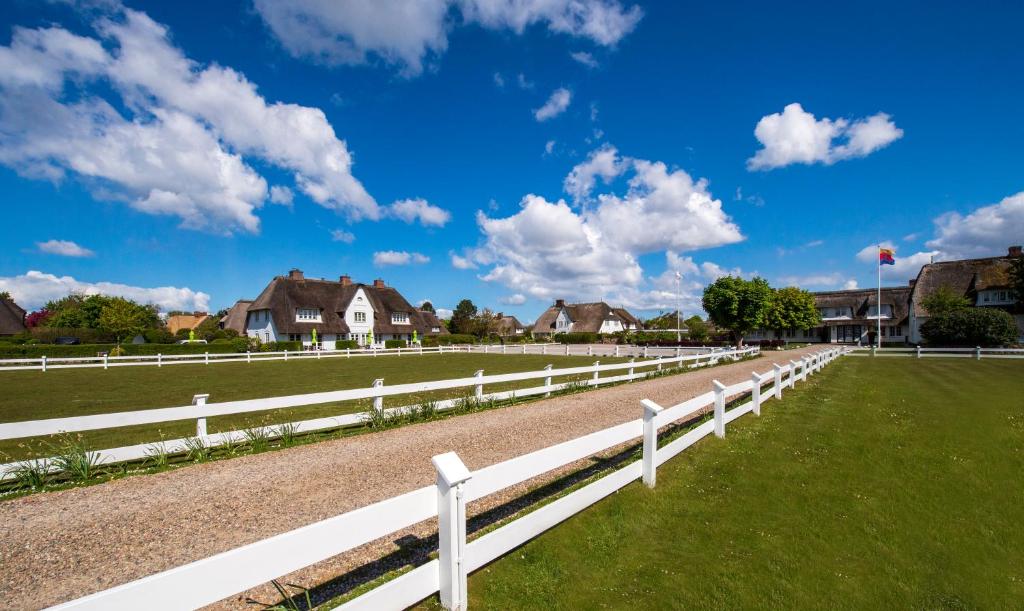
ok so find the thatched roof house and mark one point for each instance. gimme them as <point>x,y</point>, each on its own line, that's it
<point>12,317</point>
<point>596,317</point>
<point>509,326</point>
<point>235,318</point>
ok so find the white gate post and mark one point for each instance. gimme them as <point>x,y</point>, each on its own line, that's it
<point>616,350</point>
<point>248,356</point>
<point>778,380</point>
<point>206,358</point>
<point>199,401</point>
<point>645,351</point>
<point>44,362</point>
<point>159,359</point>
<point>524,348</point>
<point>755,393</point>
<point>504,349</point>
<point>977,353</point>
<point>719,408</point>
<point>792,373</point>
<point>547,381</point>
<point>631,361</point>
<point>106,360</point>
<point>452,475</point>
<point>286,355</point>
<point>378,400</point>
<point>651,411</point>
<point>479,390</point>
<point>567,350</point>
<point>596,372</point>
<point>544,349</point>
<point>919,351</point>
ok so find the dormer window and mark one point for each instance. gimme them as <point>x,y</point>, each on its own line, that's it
<point>399,318</point>
<point>307,315</point>
<point>886,311</point>
<point>359,316</point>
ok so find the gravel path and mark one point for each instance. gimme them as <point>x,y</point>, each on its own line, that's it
<point>60,545</point>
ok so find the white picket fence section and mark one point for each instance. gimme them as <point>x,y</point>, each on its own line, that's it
<point>200,410</point>
<point>206,581</point>
<point>45,363</point>
<point>977,352</point>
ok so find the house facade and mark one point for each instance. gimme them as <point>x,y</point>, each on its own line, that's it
<point>12,317</point>
<point>509,326</point>
<point>596,317</point>
<point>291,307</point>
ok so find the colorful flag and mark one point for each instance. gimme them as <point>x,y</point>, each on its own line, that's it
<point>885,257</point>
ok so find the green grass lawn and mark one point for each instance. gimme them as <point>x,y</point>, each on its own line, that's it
<point>34,395</point>
<point>878,484</point>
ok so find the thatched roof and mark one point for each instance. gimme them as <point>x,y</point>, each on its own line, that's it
<point>965,277</point>
<point>12,317</point>
<point>431,322</point>
<point>585,317</point>
<point>185,321</point>
<point>860,300</point>
<point>236,316</point>
<point>508,325</point>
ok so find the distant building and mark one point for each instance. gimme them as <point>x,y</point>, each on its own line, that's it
<point>432,325</point>
<point>12,317</point>
<point>596,317</point>
<point>235,318</point>
<point>509,326</point>
<point>292,306</point>
<point>176,322</point>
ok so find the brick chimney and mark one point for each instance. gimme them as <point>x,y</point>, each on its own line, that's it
<point>378,283</point>
<point>345,280</point>
<point>296,274</point>
<point>1014,251</point>
<point>559,303</point>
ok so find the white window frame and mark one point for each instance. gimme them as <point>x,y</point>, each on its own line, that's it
<point>307,315</point>
<point>399,318</point>
<point>359,316</point>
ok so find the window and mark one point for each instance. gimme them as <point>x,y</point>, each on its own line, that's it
<point>360,316</point>
<point>294,337</point>
<point>307,314</point>
<point>435,329</point>
<point>886,311</point>
<point>896,331</point>
<point>399,318</point>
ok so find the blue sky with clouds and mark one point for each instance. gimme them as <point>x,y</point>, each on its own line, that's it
<point>512,153</point>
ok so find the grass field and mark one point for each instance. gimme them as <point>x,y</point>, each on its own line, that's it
<point>878,484</point>
<point>34,395</point>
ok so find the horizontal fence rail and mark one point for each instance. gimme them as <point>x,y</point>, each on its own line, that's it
<point>200,410</point>
<point>46,363</point>
<point>976,353</point>
<point>206,581</point>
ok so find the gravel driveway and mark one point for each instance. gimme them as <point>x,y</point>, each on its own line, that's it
<point>61,545</point>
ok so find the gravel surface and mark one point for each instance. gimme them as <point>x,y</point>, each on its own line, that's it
<point>61,545</point>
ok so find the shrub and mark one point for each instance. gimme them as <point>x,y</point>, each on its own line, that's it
<point>576,338</point>
<point>240,344</point>
<point>342,344</point>
<point>971,327</point>
<point>395,343</point>
<point>158,336</point>
<point>454,338</point>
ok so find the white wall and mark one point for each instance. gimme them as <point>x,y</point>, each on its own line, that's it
<point>260,324</point>
<point>360,331</point>
<point>610,326</point>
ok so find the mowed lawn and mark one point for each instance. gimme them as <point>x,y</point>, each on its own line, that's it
<point>34,395</point>
<point>881,483</point>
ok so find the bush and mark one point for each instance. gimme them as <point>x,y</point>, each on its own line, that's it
<point>971,327</point>
<point>575,338</point>
<point>343,344</point>
<point>158,336</point>
<point>454,338</point>
<point>395,343</point>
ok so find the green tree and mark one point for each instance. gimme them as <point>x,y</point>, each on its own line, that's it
<point>738,305</point>
<point>792,308</point>
<point>697,329</point>
<point>970,327</point>
<point>427,307</point>
<point>944,300</point>
<point>484,324</point>
<point>122,318</point>
<point>1017,279</point>
<point>462,317</point>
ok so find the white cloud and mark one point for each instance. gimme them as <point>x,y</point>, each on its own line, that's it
<point>167,135</point>
<point>523,83</point>
<point>460,262</point>
<point>282,196</point>
<point>516,299</point>
<point>549,250</point>
<point>850,285</point>
<point>986,231</point>
<point>829,280</point>
<point>411,33</point>
<point>796,136</point>
<point>411,210</point>
<point>584,58</point>
<point>33,289</point>
<point>499,80</point>
<point>906,266</point>
<point>340,235</point>
<point>603,162</point>
<point>557,102</point>
<point>549,147</point>
<point>443,313</point>
<point>398,257</point>
<point>64,248</point>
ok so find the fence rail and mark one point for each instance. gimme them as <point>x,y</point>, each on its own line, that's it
<point>45,363</point>
<point>206,581</point>
<point>200,410</point>
<point>977,352</point>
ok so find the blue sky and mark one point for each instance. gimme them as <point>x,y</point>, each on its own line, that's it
<point>509,153</point>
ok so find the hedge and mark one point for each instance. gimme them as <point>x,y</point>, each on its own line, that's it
<point>576,338</point>
<point>15,351</point>
<point>444,340</point>
<point>395,343</point>
<point>970,327</point>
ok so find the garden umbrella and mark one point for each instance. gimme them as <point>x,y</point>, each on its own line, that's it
<point>414,340</point>
<point>314,338</point>
<point>191,335</point>
<point>371,338</point>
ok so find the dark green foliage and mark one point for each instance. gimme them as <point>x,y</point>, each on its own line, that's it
<point>343,344</point>
<point>944,300</point>
<point>576,338</point>
<point>462,317</point>
<point>984,327</point>
<point>738,305</point>
<point>158,336</point>
<point>427,306</point>
<point>445,340</point>
<point>395,343</point>
<point>792,308</point>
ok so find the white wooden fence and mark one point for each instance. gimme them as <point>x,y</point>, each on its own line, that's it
<point>211,579</point>
<point>918,352</point>
<point>201,410</point>
<point>44,363</point>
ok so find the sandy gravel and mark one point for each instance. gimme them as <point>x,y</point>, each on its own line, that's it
<point>61,545</point>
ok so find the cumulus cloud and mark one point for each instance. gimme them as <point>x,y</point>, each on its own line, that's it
<point>411,33</point>
<point>557,102</point>
<point>549,147</point>
<point>548,249</point>
<point>64,248</point>
<point>819,281</point>
<point>144,124</point>
<point>986,231</point>
<point>412,210</point>
<point>34,288</point>
<point>340,235</point>
<point>515,299</point>
<point>398,257</point>
<point>461,262</point>
<point>796,136</point>
<point>603,162</point>
<point>584,58</point>
<point>282,196</point>
<point>443,313</point>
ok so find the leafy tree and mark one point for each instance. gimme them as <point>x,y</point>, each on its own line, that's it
<point>792,308</point>
<point>462,317</point>
<point>697,329</point>
<point>944,300</point>
<point>427,307</point>
<point>122,318</point>
<point>738,305</point>
<point>484,324</point>
<point>5,296</point>
<point>1017,279</point>
<point>970,327</point>
<point>37,318</point>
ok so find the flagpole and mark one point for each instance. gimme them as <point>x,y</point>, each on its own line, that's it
<point>878,304</point>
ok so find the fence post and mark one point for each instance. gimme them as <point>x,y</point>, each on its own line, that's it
<point>206,358</point>
<point>616,350</point>
<point>872,350</point>
<point>248,356</point>
<point>348,353</point>
<point>792,373</point>
<point>651,411</point>
<point>645,351</point>
<point>977,353</point>
<point>378,400</point>
<point>199,401</point>
<point>919,351</point>
<point>544,349</point>
<point>478,391</point>
<point>778,380</point>
<point>596,372</point>
<point>286,355</point>
<point>547,381</point>
<point>44,362</point>
<point>631,361</point>
<point>452,475</point>
<point>159,359</point>
<point>106,360</point>
<point>803,370</point>
<point>590,350</point>
<point>524,348</point>
<point>755,393</point>
<point>567,350</point>
<point>719,408</point>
